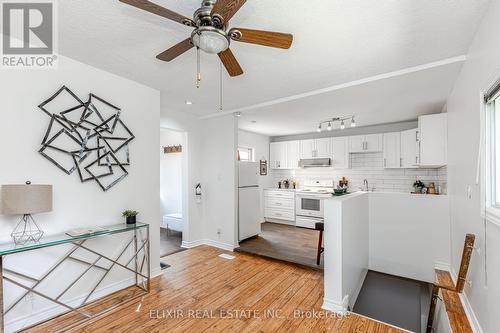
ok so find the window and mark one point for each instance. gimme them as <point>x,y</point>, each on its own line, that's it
<point>492,151</point>
<point>245,154</point>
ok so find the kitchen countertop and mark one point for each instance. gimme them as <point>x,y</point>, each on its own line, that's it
<point>280,189</point>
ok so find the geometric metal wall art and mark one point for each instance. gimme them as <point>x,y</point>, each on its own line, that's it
<point>86,137</point>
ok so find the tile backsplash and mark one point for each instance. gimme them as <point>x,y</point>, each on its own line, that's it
<point>369,166</point>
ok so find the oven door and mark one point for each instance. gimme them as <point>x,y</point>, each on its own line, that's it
<point>309,205</point>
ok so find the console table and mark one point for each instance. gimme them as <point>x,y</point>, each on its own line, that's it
<point>138,264</point>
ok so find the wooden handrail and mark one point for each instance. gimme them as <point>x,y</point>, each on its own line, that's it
<point>461,279</point>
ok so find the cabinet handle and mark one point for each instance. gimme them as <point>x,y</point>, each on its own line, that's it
<point>385,162</point>
<point>278,214</point>
<point>416,159</point>
<point>279,204</point>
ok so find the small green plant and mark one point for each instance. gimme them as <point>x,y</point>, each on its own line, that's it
<point>418,183</point>
<point>130,213</point>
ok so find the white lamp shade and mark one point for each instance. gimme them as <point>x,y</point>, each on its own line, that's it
<point>26,199</point>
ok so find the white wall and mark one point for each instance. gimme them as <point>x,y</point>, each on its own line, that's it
<point>409,234</point>
<point>210,159</point>
<point>346,255</point>
<point>22,127</point>
<point>480,70</point>
<point>400,234</point>
<point>171,172</point>
<point>219,179</point>
<point>193,151</point>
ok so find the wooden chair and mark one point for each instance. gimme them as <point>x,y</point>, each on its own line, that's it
<point>320,226</point>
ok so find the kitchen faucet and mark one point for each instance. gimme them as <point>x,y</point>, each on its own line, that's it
<point>365,185</point>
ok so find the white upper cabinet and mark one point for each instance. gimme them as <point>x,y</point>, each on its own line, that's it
<point>357,144</point>
<point>284,155</point>
<point>316,148</point>
<point>292,154</point>
<point>433,140</point>
<point>307,149</point>
<point>392,150</point>
<point>277,155</point>
<point>366,143</point>
<point>323,148</point>
<point>340,150</point>
<point>409,149</point>
<point>374,142</point>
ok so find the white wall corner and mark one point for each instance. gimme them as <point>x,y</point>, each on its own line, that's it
<point>156,272</point>
<point>334,306</point>
<point>442,266</point>
<point>469,311</point>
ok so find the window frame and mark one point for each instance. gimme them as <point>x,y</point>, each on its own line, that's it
<point>251,153</point>
<point>491,160</point>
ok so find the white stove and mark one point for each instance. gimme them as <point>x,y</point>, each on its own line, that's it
<point>309,202</point>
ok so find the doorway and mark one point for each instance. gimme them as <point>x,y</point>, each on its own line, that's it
<point>172,157</point>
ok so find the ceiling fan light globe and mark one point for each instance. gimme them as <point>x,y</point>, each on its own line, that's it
<point>212,42</point>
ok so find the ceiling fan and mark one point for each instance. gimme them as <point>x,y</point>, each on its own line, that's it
<point>211,33</point>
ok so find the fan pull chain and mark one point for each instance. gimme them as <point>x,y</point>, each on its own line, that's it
<point>198,65</point>
<point>221,86</point>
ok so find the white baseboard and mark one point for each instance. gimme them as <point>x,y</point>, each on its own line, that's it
<point>208,242</point>
<point>442,266</point>
<point>469,311</point>
<point>354,296</point>
<point>20,322</point>
<point>334,306</point>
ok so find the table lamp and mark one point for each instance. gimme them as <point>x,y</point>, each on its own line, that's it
<point>26,200</point>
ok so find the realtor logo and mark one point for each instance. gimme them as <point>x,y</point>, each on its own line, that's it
<point>28,34</point>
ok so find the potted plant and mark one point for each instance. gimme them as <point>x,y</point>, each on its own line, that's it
<point>131,216</point>
<point>418,185</point>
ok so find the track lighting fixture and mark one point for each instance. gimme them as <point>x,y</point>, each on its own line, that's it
<point>332,121</point>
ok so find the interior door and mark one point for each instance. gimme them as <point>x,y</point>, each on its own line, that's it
<point>409,149</point>
<point>392,150</point>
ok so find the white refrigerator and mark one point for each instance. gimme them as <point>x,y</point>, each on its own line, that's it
<point>249,209</point>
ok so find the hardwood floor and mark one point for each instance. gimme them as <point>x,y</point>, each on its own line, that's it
<point>285,242</point>
<point>217,288</point>
<point>456,313</point>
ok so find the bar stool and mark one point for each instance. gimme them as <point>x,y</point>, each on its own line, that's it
<point>320,226</point>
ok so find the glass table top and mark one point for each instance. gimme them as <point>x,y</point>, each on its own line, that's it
<point>62,238</point>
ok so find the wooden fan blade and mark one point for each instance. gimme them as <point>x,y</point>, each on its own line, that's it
<point>230,62</point>
<point>159,10</point>
<point>175,50</point>
<point>225,9</point>
<point>265,38</point>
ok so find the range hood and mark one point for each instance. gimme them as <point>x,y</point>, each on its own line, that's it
<point>315,162</point>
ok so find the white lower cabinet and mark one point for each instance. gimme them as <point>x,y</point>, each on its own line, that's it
<point>279,206</point>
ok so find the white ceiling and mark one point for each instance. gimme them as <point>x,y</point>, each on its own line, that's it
<point>334,42</point>
<point>395,99</point>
